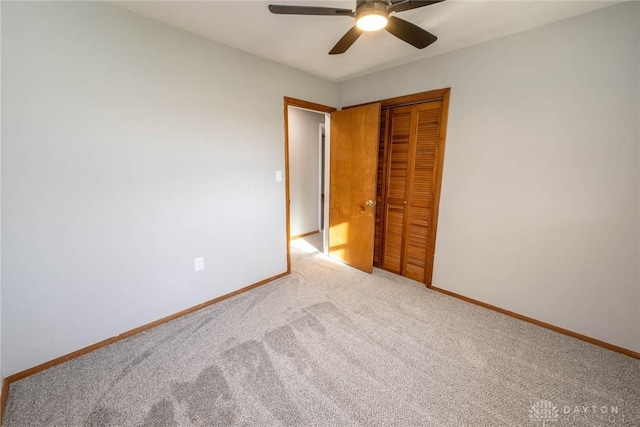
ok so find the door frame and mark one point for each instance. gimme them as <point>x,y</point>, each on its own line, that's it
<point>322,174</point>
<point>420,98</point>
<point>311,106</point>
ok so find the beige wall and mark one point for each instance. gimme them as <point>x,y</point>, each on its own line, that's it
<point>540,197</point>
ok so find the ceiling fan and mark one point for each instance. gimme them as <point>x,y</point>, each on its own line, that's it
<point>370,15</point>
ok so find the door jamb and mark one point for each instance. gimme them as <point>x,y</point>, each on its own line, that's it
<point>321,176</point>
<point>293,102</point>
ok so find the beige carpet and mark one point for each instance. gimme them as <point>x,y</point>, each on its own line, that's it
<point>332,346</point>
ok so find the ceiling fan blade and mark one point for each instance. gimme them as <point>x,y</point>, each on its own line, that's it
<point>346,41</point>
<point>411,4</point>
<point>309,10</point>
<point>410,33</point>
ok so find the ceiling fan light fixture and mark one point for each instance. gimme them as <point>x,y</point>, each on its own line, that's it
<point>371,16</point>
<point>372,20</point>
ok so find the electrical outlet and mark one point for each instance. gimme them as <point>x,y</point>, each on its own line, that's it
<point>199,264</point>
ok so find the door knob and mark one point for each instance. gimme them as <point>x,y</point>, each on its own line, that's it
<point>369,203</point>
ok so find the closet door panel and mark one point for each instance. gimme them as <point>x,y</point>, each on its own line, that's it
<point>416,243</point>
<point>421,190</point>
<point>380,187</point>
<point>394,225</point>
<point>396,188</point>
<point>398,167</point>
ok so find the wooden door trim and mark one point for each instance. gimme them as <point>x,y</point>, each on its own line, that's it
<point>416,98</point>
<point>293,102</point>
<point>420,98</point>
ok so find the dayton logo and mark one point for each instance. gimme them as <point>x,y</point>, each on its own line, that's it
<point>545,411</point>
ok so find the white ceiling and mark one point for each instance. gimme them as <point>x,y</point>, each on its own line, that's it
<point>303,42</point>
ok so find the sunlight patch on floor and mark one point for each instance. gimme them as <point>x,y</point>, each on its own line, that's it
<point>304,246</point>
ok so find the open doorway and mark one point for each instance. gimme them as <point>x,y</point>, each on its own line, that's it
<point>306,154</point>
<point>306,160</point>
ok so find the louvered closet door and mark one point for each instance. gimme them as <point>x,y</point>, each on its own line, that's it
<point>380,187</point>
<point>421,188</point>
<point>396,188</point>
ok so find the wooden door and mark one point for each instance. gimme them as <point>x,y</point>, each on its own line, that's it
<point>421,189</point>
<point>352,189</point>
<point>381,187</point>
<point>396,188</point>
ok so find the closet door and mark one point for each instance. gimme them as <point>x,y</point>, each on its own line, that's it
<point>421,188</point>
<point>381,183</point>
<point>411,176</point>
<point>396,188</point>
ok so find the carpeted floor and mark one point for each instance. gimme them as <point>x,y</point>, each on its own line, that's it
<point>332,346</point>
